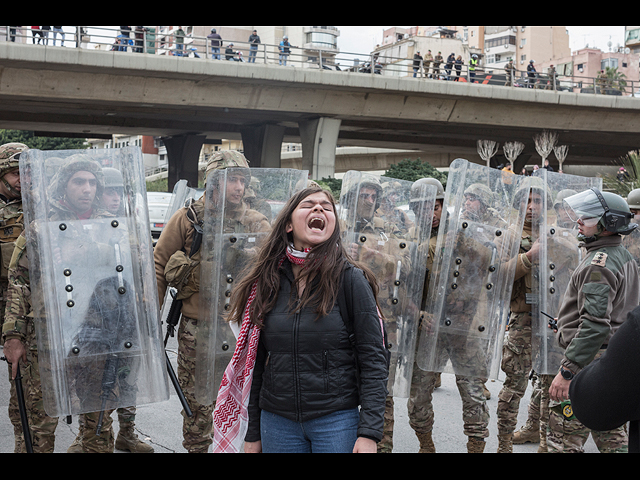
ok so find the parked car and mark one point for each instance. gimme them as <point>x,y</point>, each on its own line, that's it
<point>158,204</point>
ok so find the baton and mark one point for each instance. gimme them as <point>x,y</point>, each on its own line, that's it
<point>22,406</point>
<point>176,385</point>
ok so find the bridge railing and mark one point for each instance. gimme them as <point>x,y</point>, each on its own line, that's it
<point>172,44</point>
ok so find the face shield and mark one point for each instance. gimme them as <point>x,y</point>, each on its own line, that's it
<point>584,207</point>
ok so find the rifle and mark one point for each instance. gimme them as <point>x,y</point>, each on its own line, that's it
<point>173,318</point>
<point>22,406</point>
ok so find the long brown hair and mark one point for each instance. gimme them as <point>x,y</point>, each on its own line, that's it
<point>325,262</point>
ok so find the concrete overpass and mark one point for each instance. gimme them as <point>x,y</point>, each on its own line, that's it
<point>91,93</point>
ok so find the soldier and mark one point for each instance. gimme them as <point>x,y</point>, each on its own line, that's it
<point>419,406</point>
<point>537,422</point>
<point>463,323</point>
<point>381,239</point>
<point>173,247</point>
<point>632,241</point>
<point>112,201</point>
<point>516,353</point>
<point>510,72</point>
<point>12,225</point>
<point>603,290</point>
<point>74,191</point>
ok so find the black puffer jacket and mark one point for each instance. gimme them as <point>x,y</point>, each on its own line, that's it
<point>306,367</point>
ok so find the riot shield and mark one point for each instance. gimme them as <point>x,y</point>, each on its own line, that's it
<point>383,233</point>
<point>182,193</point>
<point>467,306</point>
<point>234,231</point>
<point>92,279</point>
<point>559,255</point>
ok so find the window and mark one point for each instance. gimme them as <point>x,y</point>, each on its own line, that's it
<point>496,42</point>
<point>609,62</point>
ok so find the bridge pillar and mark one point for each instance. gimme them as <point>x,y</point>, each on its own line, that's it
<point>183,153</point>
<point>319,140</point>
<point>263,145</point>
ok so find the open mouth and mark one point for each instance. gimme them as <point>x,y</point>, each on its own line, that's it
<point>316,223</point>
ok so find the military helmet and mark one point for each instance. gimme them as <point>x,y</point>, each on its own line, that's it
<point>112,178</point>
<point>427,181</point>
<point>391,187</point>
<point>228,159</point>
<point>10,156</point>
<point>633,199</point>
<point>537,185</point>
<point>481,192</point>
<point>562,194</point>
<point>610,211</point>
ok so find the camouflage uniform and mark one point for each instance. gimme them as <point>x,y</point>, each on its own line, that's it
<point>11,225</point>
<point>177,236</point>
<point>605,268</point>
<point>19,322</point>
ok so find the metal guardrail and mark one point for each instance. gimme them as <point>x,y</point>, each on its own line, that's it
<point>188,46</point>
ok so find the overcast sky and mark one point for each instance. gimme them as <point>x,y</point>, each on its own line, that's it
<point>363,39</point>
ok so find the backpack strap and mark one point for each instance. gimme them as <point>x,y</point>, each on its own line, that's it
<point>345,302</point>
<point>193,217</point>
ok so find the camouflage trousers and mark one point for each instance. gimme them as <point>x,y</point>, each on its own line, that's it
<point>475,413</point>
<point>196,431</point>
<point>42,426</point>
<point>516,364</point>
<point>569,435</point>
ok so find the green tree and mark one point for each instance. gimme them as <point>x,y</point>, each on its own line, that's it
<point>412,170</point>
<point>41,143</point>
<point>332,184</point>
<point>615,79</point>
<point>631,163</point>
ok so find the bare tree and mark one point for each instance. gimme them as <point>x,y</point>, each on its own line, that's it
<point>512,151</point>
<point>487,149</point>
<point>545,142</point>
<point>561,154</point>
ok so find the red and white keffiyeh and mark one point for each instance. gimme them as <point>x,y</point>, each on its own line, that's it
<point>230,416</point>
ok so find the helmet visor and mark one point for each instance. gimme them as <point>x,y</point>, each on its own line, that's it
<point>584,207</point>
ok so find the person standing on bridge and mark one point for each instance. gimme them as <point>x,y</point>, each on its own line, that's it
<point>285,50</point>
<point>473,64</point>
<point>254,40</point>
<point>216,43</point>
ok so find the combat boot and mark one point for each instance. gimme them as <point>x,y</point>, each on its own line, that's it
<point>527,434</point>
<point>475,445</point>
<point>76,446</point>
<point>128,440</point>
<point>426,443</point>
<point>487,393</point>
<point>505,443</point>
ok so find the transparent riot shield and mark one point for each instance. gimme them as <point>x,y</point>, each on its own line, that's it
<point>234,231</point>
<point>92,279</point>
<point>381,231</point>
<point>182,193</point>
<point>559,256</point>
<point>467,306</point>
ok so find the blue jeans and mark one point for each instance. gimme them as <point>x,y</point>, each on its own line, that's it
<point>333,433</point>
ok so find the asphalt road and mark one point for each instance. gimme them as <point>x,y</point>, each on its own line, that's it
<point>160,424</point>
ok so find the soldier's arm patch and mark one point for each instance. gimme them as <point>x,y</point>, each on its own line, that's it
<point>600,259</point>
